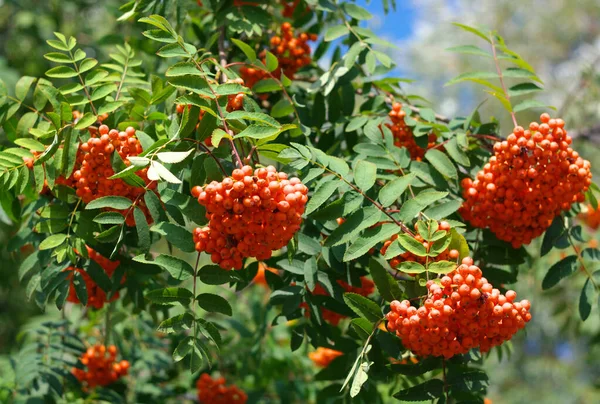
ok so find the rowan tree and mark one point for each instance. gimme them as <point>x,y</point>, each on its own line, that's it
<point>239,179</point>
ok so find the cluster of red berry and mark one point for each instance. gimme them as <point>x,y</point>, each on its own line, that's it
<point>322,357</point>
<point>365,289</point>
<point>403,134</point>
<point>96,296</point>
<point>533,175</point>
<point>408,256</point>
<point>214,391</point>
<point>251,214</point>
<point>461,312</point>
<point>102,369</point>
<point>292,53</point>
<point>93,168</point>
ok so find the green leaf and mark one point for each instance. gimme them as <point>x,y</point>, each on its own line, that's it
<point>321,195</point>
<point>214,275</point>
<point>52,241</point>
<point>115,202</point>
<point>22,87</point>
<point>394,189</point>
<point>562,269</point>
<point>428,391</point>
<point>357,222</point>
<point>364,307</point>
<point>248,51</point>
<point>157,171</point>
<point>30,144</point>
<point>109,218</point>
<point>370,238</point>
<point>177,323</point>
<point>586,300</point>
<point>169,296</point>
<point>159,36</point>
<point>441,267</point>
<point>386,285</point>
<point>271,61</point>
<point>254,116</point>
<point>177,235</point>
<point>335,32</point>
<point>85,121</point>
<point>365,174</point>
<point>411,267</point>
<point>356,11</point>
<point>310,272</point>
<point>523,88</point>
<point>469,50</point>
<point>58,57</point>
<point>473,31</point>
<point>282,108</point>
<point>87,64</point>
<point>443,210</point>
<point>441,163</point>
<point>174,50</point>
<point>457,153</point>
<point>528,104</point>
<point>61,72</point>
<point>409,243</point>
<point>214,303</point>
<point>177,268</point>
<point>184,347</point>
<point>173,157</point>
<point>141,226</point>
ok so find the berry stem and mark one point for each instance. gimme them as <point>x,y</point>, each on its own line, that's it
<point>207,150</point>
<point>402,226</point>
<point>497,63</point>
<point>234,153</point>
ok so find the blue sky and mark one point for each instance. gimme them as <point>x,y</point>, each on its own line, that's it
<point>397,24</point>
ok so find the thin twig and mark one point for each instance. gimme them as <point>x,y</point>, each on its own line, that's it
<point>445,382</point>
<point>87,93</point>
<point>402,226</point>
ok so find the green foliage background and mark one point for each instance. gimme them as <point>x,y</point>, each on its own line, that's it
<point>557,359</point>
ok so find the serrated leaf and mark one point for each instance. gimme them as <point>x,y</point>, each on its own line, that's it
<point>52,241</point>
<point>469,50</point>
<point>321,195</point>
<point>441,163</point>
<point>85,121</point>
<point>177,235</point>
<point>354,224</point>
<point>214,275</point>
<point>214,303</point>
<point>473,31</point>
<point>158,171</point>
<point>559,271</point>
<point>173,157</point>
<point>335,32</point>
<point>142,230</point>
<point>386,285</point>
<point>365,175</point>
<point>61,72</point>
<point>357,12</point>
<point>177,323</point>
<point>522,89</point>
<point>586,300</point>
<point>364,307</point>
<point>409,243</point>
<point>428,391</point>
<point>370,238</point>
<point>394,189</point>
<point>441,267</point>
<point>167,296</point>
<point>248,51</point>
<point>115,202</point>
<point>528,104</point>
<point>176,267</point>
